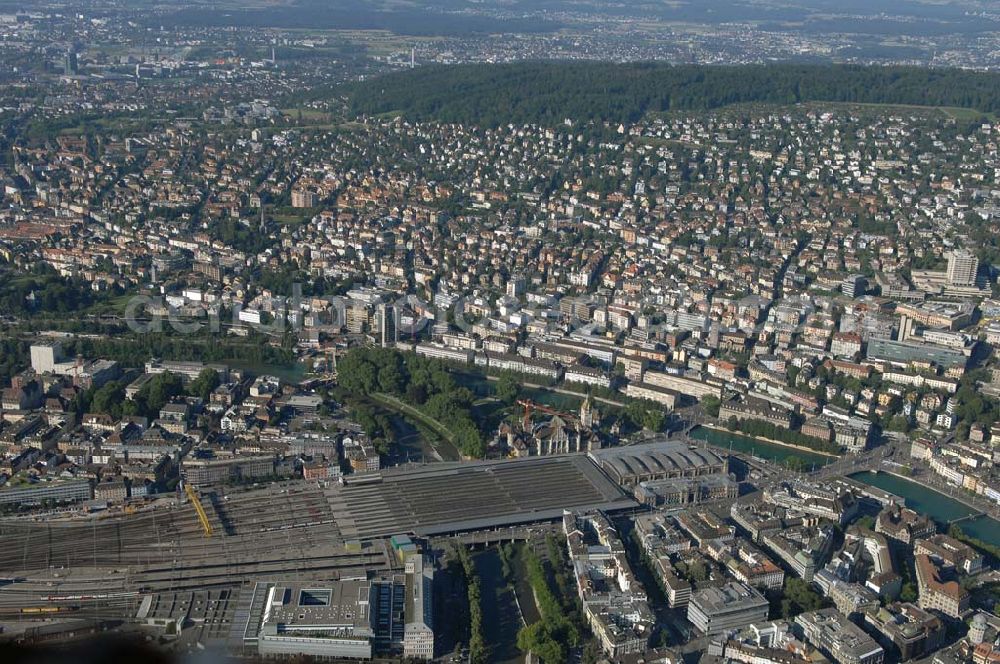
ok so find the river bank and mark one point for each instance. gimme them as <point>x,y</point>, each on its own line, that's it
<point>791,446</point>
<point>763,449</point>
<point>943,508</point>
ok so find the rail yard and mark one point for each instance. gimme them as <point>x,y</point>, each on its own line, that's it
<point>158,559</point>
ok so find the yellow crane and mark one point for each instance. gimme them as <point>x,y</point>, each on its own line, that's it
<point>202,517</point>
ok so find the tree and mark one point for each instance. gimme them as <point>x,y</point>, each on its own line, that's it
<point>550,637</point>
<point>653,420</point>
<point>645,415</point>
<point>507,388</point>
<point>424,382</point>
<point>204,384</point>
<point>546,93</point>
<point>132,408</point>
<point>478,651</point>
<point>356,373</point>
<point>390,379</point>
<point>592,652</point>
<point>108,399</point>
<point>697,571</point>
<point>798,597</point>
<point>160,390</point>
<point>899,423</point>
<point>543,638</point>
<point>866,522</point>
<point>416,393</point>
<point>711,404</point>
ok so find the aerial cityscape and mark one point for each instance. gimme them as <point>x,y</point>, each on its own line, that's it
<point>543,331</point>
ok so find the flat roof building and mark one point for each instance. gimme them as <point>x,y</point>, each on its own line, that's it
<point>352,618</point>
<point>704,526</point>
<point>56,491</point>
<point>418,629</point>
<point>838,638</point>
<point>963,266</point>
<point>186,370</point>
<point>660,395</point>
<point>733,606</point>
<point>458,497</point>
<point>202,472</point>
<point>688,386</point>
<point>334,620</point>
<point>905,353</point>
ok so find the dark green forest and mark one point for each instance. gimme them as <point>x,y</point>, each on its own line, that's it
<point>550,92</point>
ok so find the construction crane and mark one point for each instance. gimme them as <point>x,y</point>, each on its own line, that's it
<point>530,406</point>
<point>202,517</point>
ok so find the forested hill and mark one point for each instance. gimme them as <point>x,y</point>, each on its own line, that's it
<point>549,92</point>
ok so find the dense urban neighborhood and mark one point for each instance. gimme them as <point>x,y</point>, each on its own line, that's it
<point>389,334</point>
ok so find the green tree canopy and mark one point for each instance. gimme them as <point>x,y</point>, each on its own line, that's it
<point>204,384</point>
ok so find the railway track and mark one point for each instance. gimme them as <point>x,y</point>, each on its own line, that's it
<point>242,521</point>
<point>126,589</point>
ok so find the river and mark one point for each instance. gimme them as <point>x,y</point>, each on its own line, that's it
<point>483,387</point>
<point>757,447</point>
<point>938,506</point>
<point>501,620</point>
<point>290,373</point>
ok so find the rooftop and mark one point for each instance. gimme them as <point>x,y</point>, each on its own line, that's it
<point>661,457</point>
<point>729,598</point>
<point>452,497</point>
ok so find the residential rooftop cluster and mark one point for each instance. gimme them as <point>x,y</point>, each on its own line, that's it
<point>283,379</point>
